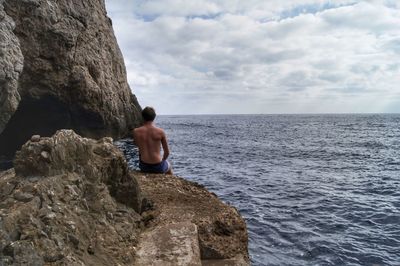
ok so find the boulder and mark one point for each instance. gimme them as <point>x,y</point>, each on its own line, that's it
<point>69,201</point>
<point>68,153</point>
<point>61,67</point>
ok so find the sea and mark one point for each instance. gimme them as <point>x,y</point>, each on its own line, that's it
<point>313,189</point>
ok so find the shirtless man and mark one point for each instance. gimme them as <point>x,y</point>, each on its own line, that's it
<point>149,139</point>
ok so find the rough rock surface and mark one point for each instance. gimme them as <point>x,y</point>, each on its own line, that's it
<point>66,152</point>
<point>169,245</point>
<point>72,201</point>
<point>73,73</point>
<point>222,231</point>
<point>11,62</point>
<point>68,202</point>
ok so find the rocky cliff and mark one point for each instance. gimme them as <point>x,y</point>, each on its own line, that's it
<point>60,67</point>
<point>11,63</point>
<point>73,201</point>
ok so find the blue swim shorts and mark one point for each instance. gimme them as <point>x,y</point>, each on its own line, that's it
<point>161,167</point>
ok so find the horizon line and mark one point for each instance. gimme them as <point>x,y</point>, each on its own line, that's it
<point>202,114</point>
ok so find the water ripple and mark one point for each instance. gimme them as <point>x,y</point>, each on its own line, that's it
<point>314,190</point>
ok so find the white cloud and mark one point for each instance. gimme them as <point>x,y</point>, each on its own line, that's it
<point>261,56</point>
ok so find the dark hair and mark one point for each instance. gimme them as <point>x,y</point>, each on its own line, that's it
<point>148,114</point>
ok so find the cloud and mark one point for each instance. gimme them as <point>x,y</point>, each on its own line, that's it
<point>260,56</point>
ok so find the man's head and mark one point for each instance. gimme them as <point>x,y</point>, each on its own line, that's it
<point>148,114</point>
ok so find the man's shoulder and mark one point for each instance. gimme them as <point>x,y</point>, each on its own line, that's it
<point>138,130</point>
<point>144,129</point>
<point>159,129</point>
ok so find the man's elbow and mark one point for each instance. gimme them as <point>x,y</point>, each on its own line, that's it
<point>166,154</point>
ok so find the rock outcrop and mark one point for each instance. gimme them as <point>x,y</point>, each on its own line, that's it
<point>222,232</point>
<point>61,67</point>
<point>70,201</point>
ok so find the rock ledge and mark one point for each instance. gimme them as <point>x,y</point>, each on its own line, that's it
<point>222,231</point>
<point>72,201</point>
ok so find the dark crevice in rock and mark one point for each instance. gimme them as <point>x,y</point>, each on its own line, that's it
<point>44,117</point>
<point>5,163</point>
<point>34,116</point>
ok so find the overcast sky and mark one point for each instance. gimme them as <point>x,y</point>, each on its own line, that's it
<point>255,56</point>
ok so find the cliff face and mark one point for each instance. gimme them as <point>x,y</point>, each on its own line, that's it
<point>61,68</point>
<point>11,61</point>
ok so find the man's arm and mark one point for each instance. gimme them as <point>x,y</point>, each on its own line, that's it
<point>134,137</point>
<point>164,146</point>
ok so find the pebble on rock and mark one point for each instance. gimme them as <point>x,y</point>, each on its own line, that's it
<point>35,138</point>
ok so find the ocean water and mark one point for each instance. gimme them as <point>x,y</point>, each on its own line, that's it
<point>314,189</point>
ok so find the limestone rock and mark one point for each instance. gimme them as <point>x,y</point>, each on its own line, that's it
<point>69,207</point>
<point>11,63</point>
<point>169,245</point>
<point>237,261</point>
<point>98,161</point>
<point>73,74</point>
<point>222,231</point>
<point>72,201</point>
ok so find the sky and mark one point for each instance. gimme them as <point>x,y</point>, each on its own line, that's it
<point>261,56</point>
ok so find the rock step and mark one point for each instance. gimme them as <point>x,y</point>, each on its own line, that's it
<point>170,245</point>
<point>238,261</point>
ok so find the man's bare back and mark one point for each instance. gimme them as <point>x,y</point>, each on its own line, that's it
<point>149,140</point>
